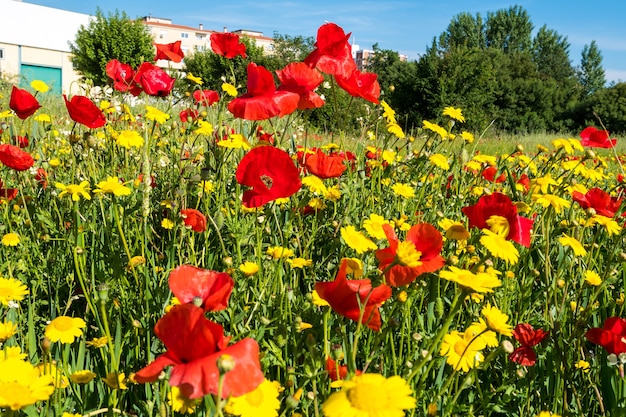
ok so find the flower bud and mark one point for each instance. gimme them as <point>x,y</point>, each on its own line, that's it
<point>225,363</point>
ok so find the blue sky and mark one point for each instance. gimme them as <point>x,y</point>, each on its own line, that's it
<point>406,26</point>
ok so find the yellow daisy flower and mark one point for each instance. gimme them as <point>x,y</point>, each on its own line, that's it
<point>65,329</point>
<point>370,395</point>
<point>11,239</point>
<point>374,226</point>
<point>249,268</point>
<point>113,186</point>
<point>356,240</point>
<point>26,385</point>
<point>261,402</point>
<point>76,191</point>
<point>496,320</point>
<point>11,290</point>
<point>454,113</point>
<point>403,190</point>
<point>462,350</point>
<point>82,377</point>
<point>154,114</point>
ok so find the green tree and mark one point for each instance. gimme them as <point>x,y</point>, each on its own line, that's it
<point>291,48</point>
<point>591,73</point>
<point>509,29</point>
<point>115,36</point>
<point>551,54</point>
<point>211,67</point>
<point>464,30</point>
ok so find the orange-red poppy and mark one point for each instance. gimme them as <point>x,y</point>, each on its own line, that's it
<point>301,79</point>
<point>83,111</point>
<point>262,100</point>
<point>354,299</point>
<point>528,337</point>
<point>428,242</point>
<point>332,53</point>
<point>194,219</point>
<point>15,158</point>
<point>23,103</point>
<point>227,45</point>
<point>207,289</point>
<point>270,172</point>
<point>194,347</point>
<point>169,51</point>
<point>594,138</point>
<point>498,204</point>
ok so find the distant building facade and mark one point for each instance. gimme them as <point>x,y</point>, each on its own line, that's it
<point>34,44</point>
<point>193,38</point>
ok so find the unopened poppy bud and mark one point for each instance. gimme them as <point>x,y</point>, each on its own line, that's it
<point>507,346</point>
<point>591,211</point>
<point>225,363</point>
<point>45,344</point>
<point>228,261</point>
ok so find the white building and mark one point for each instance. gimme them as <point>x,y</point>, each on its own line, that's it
<point>34,43</point>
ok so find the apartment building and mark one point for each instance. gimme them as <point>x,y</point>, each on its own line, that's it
<point>193,38</point>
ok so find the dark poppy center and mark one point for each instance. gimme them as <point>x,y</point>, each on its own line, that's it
<point>268,181</point>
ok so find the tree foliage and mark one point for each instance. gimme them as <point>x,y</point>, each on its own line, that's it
<point>591,73</point>
<point>509,29</point>
<point>114,36</point>
<point>551,54</point>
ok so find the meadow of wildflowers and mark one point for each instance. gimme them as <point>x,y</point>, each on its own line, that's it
<point>203,253</point>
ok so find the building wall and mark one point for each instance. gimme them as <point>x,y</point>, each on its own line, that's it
<point>47,46</point>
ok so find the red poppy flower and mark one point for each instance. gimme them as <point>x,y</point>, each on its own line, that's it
<point>122,76</point>
<point>206,97</point>
<point>83,111</point>
<point>354,299</point>
<point>489,174</point>
<point>188,115</point>
<point>598,200</point>
<point>15,158</point>
<point>153,80</point>
<point>301,79</point>
<point>524,181</point>
<point>270,172</point>
<point>7,193</point>
<point>611,336</point>
<point>210,289</point>
<point>332,53</point>
<point>498,204</point>
<point>169,51</point>
<point>42,177</point>
<point>325,166</point>
<point>194,345</point>
<point>528,337</point>
<point>594,138</point>
<point>335,371</point>
<point>22,141</point>
<point>428,242</point>
<point>262,101</point>
<point>23,103</point>
<point>360,84</point>
<point>194,219</point>
<point>227,45</point>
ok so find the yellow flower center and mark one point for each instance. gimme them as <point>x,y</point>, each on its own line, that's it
<point>63,323</point>
<point>498,225</point>
<point>5,292</point>
<point>460,347</point>
<point>408,255</point>
<point>368,397</point>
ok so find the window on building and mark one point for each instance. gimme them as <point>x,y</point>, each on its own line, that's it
<point>200,36</point>
<point>184,35</point>
<point>1,53</point>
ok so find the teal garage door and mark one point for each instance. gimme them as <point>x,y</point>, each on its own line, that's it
<point>49,75</point>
